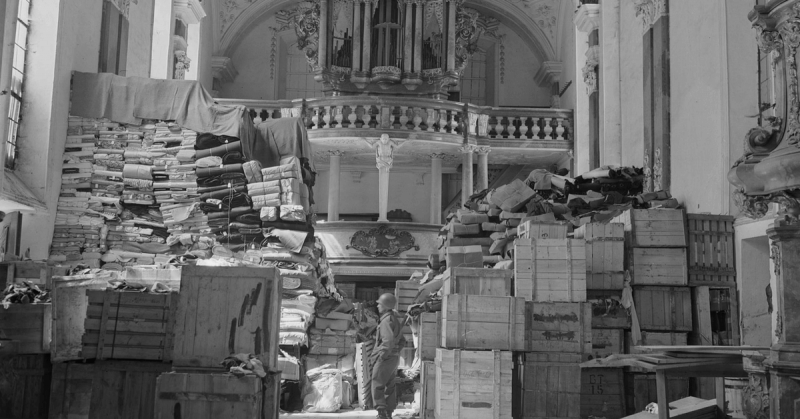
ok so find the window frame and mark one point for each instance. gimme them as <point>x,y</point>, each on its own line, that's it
<point>21,29</point>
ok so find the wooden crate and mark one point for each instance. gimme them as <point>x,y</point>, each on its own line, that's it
<point>477,281</point>
<point>225,310</point>
<point>24,386</point>
<point>640,390</point>
<point>664,308</point>
<point>430,331</point>
<point>35,272</point>
<point>427,399</point>
<point>711,250</point>
<point>607,311</point>
<point>363,367</point>
<point>69,314</point>
<point>607,342</point>
<point>406,293</point>
<point>558,327</point>
<point>533,230</point>
<point>653,227</point>
<point>347,290</point>
<point>129,325</point>
<point>104,390</point>
<point>658,266</point>
<point>28,326</point>
<point>605,255</point>
<point>602,393</point>
<point>473,384</point>
<point>483,322</point>
<point>550,270</point>
<point>212,396</point>
<point>547,386</point>
<point>334,343</point>
<point>655,339</point>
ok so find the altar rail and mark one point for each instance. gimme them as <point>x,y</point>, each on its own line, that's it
<point>417,115</point>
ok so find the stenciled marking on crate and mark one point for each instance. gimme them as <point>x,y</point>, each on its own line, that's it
<point>559,335</point>
<point>572,317</point>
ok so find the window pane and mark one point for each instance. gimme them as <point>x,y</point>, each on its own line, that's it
<point>11,144</point>
<point>22,35</point>
<point>24,11</point>
<point>16,82</point>
<point>13,109</point>
<point>19,58</point>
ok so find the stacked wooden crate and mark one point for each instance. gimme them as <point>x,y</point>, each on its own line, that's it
<point>25,328</point>
<point>550,274</point>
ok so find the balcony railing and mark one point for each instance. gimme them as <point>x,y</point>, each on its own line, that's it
<point>419,115</point>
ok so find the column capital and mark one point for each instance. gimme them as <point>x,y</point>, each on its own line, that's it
<point>467,149</point>
<point>548,73</point>
<point>222,69</point>
<point>335,153</point>
<point>439,156</point>
<point>483,150</point>
<point>587,17</point>
<point>650,11</point>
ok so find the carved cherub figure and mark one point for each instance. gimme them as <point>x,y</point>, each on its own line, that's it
<point>384,150</point>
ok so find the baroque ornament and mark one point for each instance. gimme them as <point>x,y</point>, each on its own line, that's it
<point>306,26</point>
<point>590,69</point>
<point>470,25</point>
<point>382,241</point>
<point>790,34</point>
<point>755,397</point>
<point>757,206</point>
<point>650,11</point>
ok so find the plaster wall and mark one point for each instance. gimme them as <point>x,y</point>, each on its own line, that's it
<point>362,197</point>
<point>631,59</point>
<point>755,271</point>
<point>140,39</point>
<point>205,75</point>
<point>567,54</point>
<point>252,59</point>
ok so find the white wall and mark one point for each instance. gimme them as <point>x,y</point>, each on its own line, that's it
<point>362,197</point>
<point>567,57</point>
<point>206,48</point>
<point>140,39</point>
<point>251,58</point>
<point>631,85</point>
<point>519,88</point>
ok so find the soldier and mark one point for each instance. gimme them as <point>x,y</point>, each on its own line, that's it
<point>389,340</point>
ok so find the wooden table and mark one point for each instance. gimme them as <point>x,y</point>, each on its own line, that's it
<point>684,361</point>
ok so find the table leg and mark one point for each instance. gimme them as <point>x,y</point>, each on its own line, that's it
<point>720,390</point>
<point>662,395</point>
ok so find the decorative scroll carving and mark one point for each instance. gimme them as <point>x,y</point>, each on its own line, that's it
<point>483,149</point>
<point>648,175</point>
<point>657,170</point>
<point>470,25</point>
<point>181,65</point>
<point>306,26</point>
<point>590,69</point>
<point>650,11</point>
<point>757,206</point>
<point>382,241</point>
<point>755,397</point>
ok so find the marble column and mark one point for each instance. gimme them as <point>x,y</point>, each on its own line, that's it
<point>366,63</point>
<point>466,171</point>
<point>322,50</point>
<point>436,187</point>
<point>587,19</point>
<point>356,36</point>
<point>784,360</point>
<point>408,41</point>
<point>333,184</point>
<point>483,166</point>
<point>418,39</point>
<point>450,12</point>
<point>384,156</point>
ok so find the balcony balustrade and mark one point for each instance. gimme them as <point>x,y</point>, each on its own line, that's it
<point>353,115</point>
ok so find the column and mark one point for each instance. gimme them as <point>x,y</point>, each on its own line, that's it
<point>784,359</point>
<point>450,8</point>
<point>587,19</point>
<point>333,184</point>
<point>366,64</point>
<point>483,166</point>
<point>418,40</point>
<point>384,156</point>
<point>408,42</point>
<point>436,187</point>
<point>322,51</point>
<point>162,54</point>
<point>356,36</point>
<point>466,171</point>
<point>610,101</point>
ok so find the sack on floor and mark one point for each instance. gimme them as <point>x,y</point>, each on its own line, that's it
<point>322,390</point>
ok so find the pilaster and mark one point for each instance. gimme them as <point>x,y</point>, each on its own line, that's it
<point>483,166</point>
<point>436,188</point>
<point>333,184</point>
<point>466,171</point>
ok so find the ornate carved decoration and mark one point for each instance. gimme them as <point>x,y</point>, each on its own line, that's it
<point>648,175</point>
<point>306,26</point>
<point>189,11</point>
<point>587,17</point>
<point>337,153</point>
<point>657,170</point>
<point>470,25</point>
<point>502,59</point>
<point>757,206</point>
<point>384,151</point>
<point>755,397</point>
<point>382,241</point>
<point>439,156</point>
<point>467,148</point>
<point>483,149</point>
<point>650,11</point>
<point>181,65</point>
<point>590,69</point>
<point>123,6</point>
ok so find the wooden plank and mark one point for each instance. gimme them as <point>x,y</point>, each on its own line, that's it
<point>477,281</point>
<point>558,327</point>
<point>461,384</point>
<point>406,292</point>
<point>227,310</point>
<point>655,339</point>
<point>603,392</point>
<point>711,250</point>
<point>653,227</point>
<point>28,324</point>
<point>669,308</point>
<point>606,342</point>
<point>550,386</point>
<point>429,335</point>
<point>658,266</point>
<point>483,322</point>
<point>428,393</point>
<point>24,386</point>
<point>208,396</point>
<point>550,270</point>
<point>69,313</point>
<point>701,317</point>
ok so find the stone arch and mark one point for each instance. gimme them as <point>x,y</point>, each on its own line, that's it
<point>510,15</point>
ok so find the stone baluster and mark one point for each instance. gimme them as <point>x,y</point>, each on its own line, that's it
<point>442,120</point>
<point>417,118</point>
<point>453,121</point>
<point>536,128</point>
<point>352,117</point>
<point>548,129</point>
<point>326,117</point>
<point>512,127</point>
<point>338,115</point>
<point>560,129</point>
<point>315,118</point>
<point>523,128</point>
<point>492,127</point>
<point>430,119</point>
<point>403,117</point>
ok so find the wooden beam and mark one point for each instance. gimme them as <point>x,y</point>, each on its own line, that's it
<point>662,394</point>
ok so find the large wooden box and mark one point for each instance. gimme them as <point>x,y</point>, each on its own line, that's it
<point>664,308</point>
<point>129,325</point>
<point>225,310</point>
<point>473,384</point>
<point>477,281</point>
<point>25,386</point>
<point>655,339</point>
<point>69,314</point>
<point>483,322</point>
<point>711,250</point>
<point>406,293</point>
<point>104,390</point>
<point>653,227</point>
<point>430,333</point>
<point>550,270</point>
<point>427,399</point>
<point>321,342</point>
<point>547,386</point>
<point>605,255</point>
<point>28,326</point>
<point>608,311</point>
<point>533,230</point>
<point>602,393</point>
<point>17,272</point>
<point>213,396</point>
<point>558,327</point>
<point>606,342</point>
<point>658,266</point>
<point>640,390</point>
